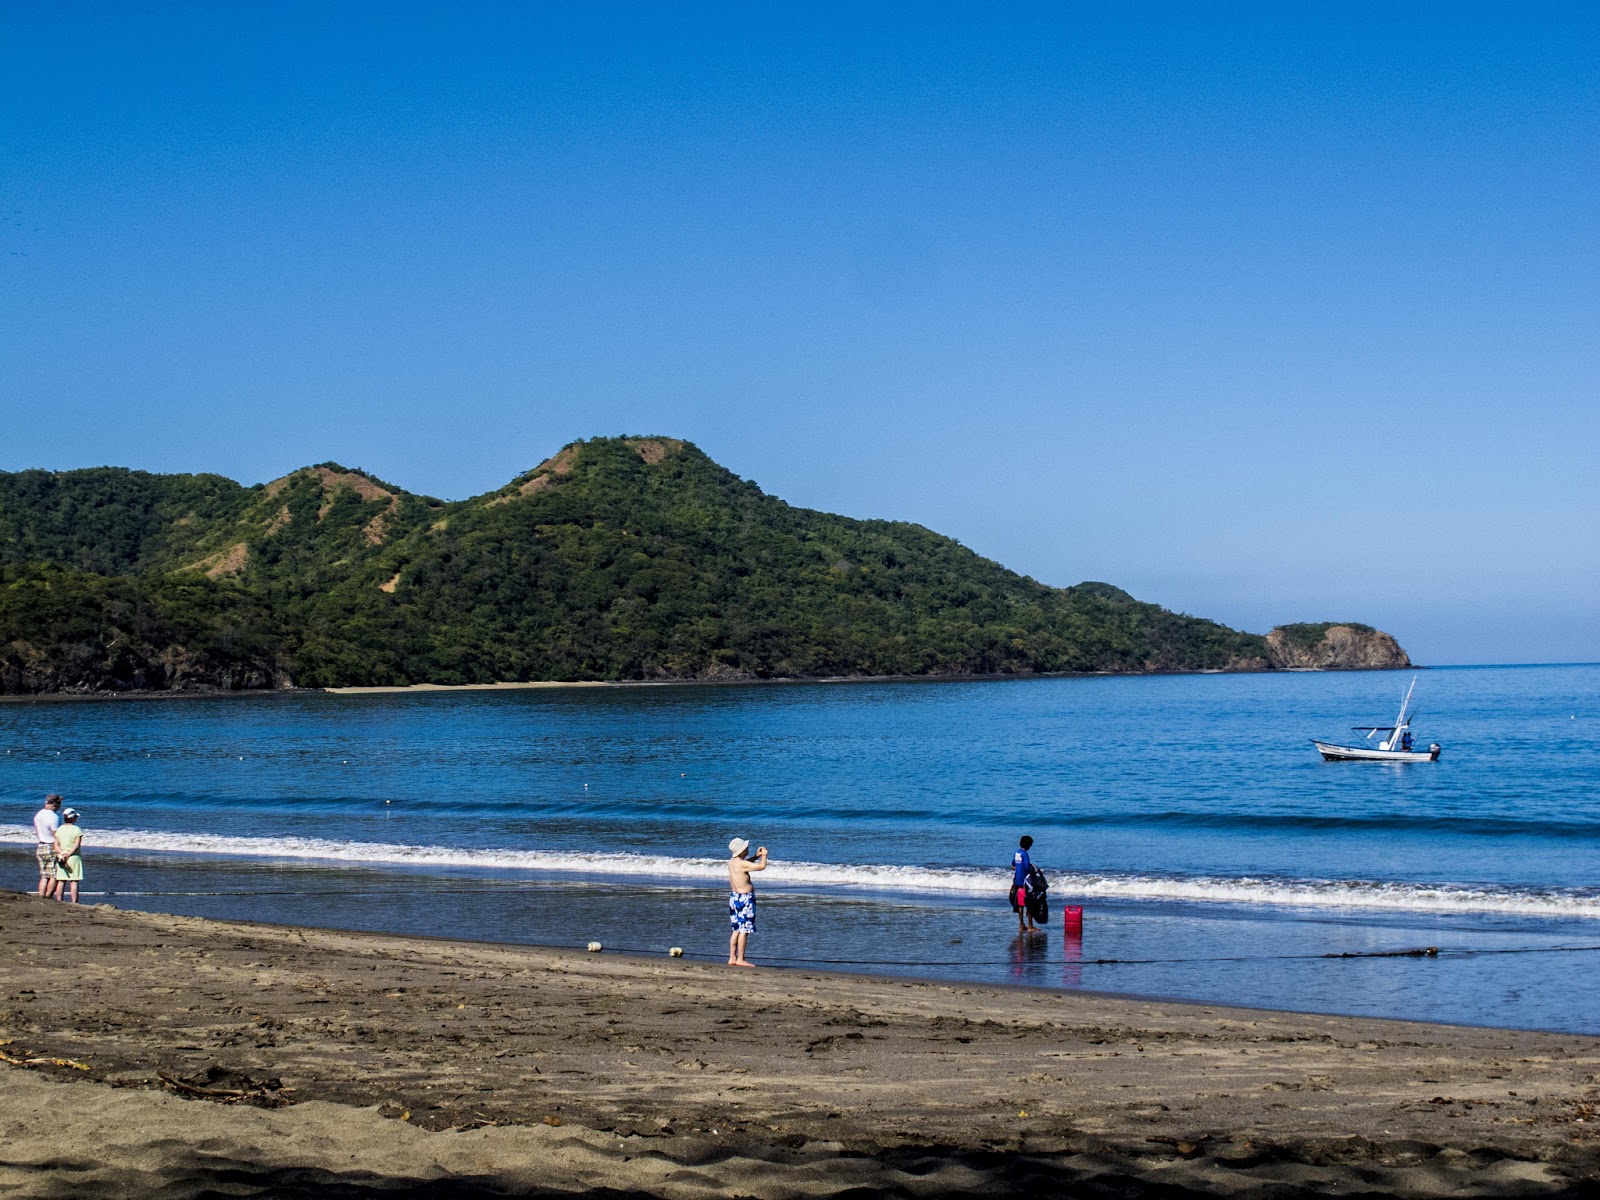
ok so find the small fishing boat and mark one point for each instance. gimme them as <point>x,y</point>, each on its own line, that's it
<point>1396,747</point>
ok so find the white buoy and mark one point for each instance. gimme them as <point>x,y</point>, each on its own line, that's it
<point>676,952</point>
<point>595,947</point>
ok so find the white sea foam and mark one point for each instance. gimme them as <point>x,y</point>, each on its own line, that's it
<point>1066,886</point>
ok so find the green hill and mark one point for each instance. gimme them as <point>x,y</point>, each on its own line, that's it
<point>618,558</point>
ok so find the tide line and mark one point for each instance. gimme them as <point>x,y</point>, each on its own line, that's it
<point>1414,896</point>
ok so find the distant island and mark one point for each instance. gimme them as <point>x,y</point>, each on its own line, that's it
<point>628,558</point>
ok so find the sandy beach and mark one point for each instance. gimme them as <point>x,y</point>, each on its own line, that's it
<point>419,688</point>
<point>169,1056</point>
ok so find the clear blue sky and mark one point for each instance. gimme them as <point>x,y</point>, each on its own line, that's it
<point>1265,313</point>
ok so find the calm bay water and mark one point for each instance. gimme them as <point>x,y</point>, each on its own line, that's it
<point>1216,856</point>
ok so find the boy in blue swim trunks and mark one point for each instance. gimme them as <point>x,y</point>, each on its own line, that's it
<point>742,897</point>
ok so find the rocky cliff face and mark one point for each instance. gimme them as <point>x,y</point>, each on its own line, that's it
<point>1334,647</point>
<point>86,670</point>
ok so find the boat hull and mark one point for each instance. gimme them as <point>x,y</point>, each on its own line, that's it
<point>1333,753</point>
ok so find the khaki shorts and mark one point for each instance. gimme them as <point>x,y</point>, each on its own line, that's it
<point>45,852</point>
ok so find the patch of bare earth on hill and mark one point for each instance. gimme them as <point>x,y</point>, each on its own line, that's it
<point>224,562</point>
<point>559,463</point>
<point>331,481</point>
<point>541,477</point>
<point>220,1057</point>
<point>653,450</point>
<point>391,583</point>
<point>545,475</point>
<point>537,484</point>
<point>362,486</point>
<point>377,529</point>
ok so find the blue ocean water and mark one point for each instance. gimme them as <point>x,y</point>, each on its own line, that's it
<point>1216,856</point>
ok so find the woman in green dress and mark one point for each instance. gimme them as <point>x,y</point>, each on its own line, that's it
<point>69,856</point>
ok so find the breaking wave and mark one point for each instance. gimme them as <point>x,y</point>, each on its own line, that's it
<point>1263,890</point>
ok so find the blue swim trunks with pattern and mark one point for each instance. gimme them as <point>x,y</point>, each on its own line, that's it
<point>742,912</point>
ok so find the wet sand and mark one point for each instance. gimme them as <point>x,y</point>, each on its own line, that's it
<point>150,1055</point>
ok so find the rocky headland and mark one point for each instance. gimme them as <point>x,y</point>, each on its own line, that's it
<point>1334,646</point>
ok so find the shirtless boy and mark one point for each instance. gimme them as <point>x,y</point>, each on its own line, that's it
<point>742,897</point>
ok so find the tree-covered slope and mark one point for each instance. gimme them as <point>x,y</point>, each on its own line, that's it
<point>619,558</point>
<point>110,521</point>
<point>66,630</point>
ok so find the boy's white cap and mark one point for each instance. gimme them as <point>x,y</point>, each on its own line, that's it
<point>738,846</point>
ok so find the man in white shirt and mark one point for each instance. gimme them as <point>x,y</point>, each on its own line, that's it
<point>45,823</point>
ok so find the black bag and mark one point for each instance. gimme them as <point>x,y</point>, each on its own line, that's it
<point>1038,896</point>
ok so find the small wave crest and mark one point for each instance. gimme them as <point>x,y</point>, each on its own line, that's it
<point>1330,823</point>
<point>1297,893</point>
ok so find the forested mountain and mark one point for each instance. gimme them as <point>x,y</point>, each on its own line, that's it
<point>618,558</point>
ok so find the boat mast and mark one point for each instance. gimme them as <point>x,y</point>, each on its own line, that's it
<point>1400,722</point>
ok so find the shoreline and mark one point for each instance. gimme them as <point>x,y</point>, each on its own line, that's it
<point>628,867</point>
<point>1327,958</point>
<point>779,965</point>
<point>182,1049</point>
<point>790,681</point>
